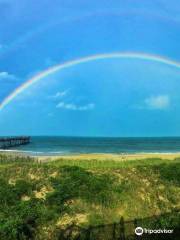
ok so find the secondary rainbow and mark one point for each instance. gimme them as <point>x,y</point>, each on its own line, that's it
<point>68,64</point>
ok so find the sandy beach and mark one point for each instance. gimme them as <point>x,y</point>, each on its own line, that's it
<point>115,157</point>
<point>97,156</point>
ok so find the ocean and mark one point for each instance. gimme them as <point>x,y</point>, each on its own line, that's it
<point>76,145</point>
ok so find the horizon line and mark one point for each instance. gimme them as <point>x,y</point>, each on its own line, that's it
<point>86,136</point>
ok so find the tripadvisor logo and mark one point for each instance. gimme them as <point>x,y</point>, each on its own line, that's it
<point>139,231</point>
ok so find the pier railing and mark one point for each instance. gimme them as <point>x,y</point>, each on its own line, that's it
<point>8,142</point>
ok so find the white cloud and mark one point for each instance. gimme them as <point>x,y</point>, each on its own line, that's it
<point>7,77</point>
<point>74,107</point>
<point>59,94</point>
<point>4,74</point>
<point>160,102</point>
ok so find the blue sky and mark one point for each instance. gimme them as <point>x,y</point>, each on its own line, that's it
<point>109,97</point>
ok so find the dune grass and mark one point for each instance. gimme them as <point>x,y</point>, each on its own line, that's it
<point>37,199</point>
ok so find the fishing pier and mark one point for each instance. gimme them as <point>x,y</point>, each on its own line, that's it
<point>8,142</point>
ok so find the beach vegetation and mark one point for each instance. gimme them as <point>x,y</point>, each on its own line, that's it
<point>38,200</point>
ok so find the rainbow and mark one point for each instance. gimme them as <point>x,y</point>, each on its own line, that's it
<point>59,67</point>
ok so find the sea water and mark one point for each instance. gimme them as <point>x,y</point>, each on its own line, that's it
<point>76,145</point>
